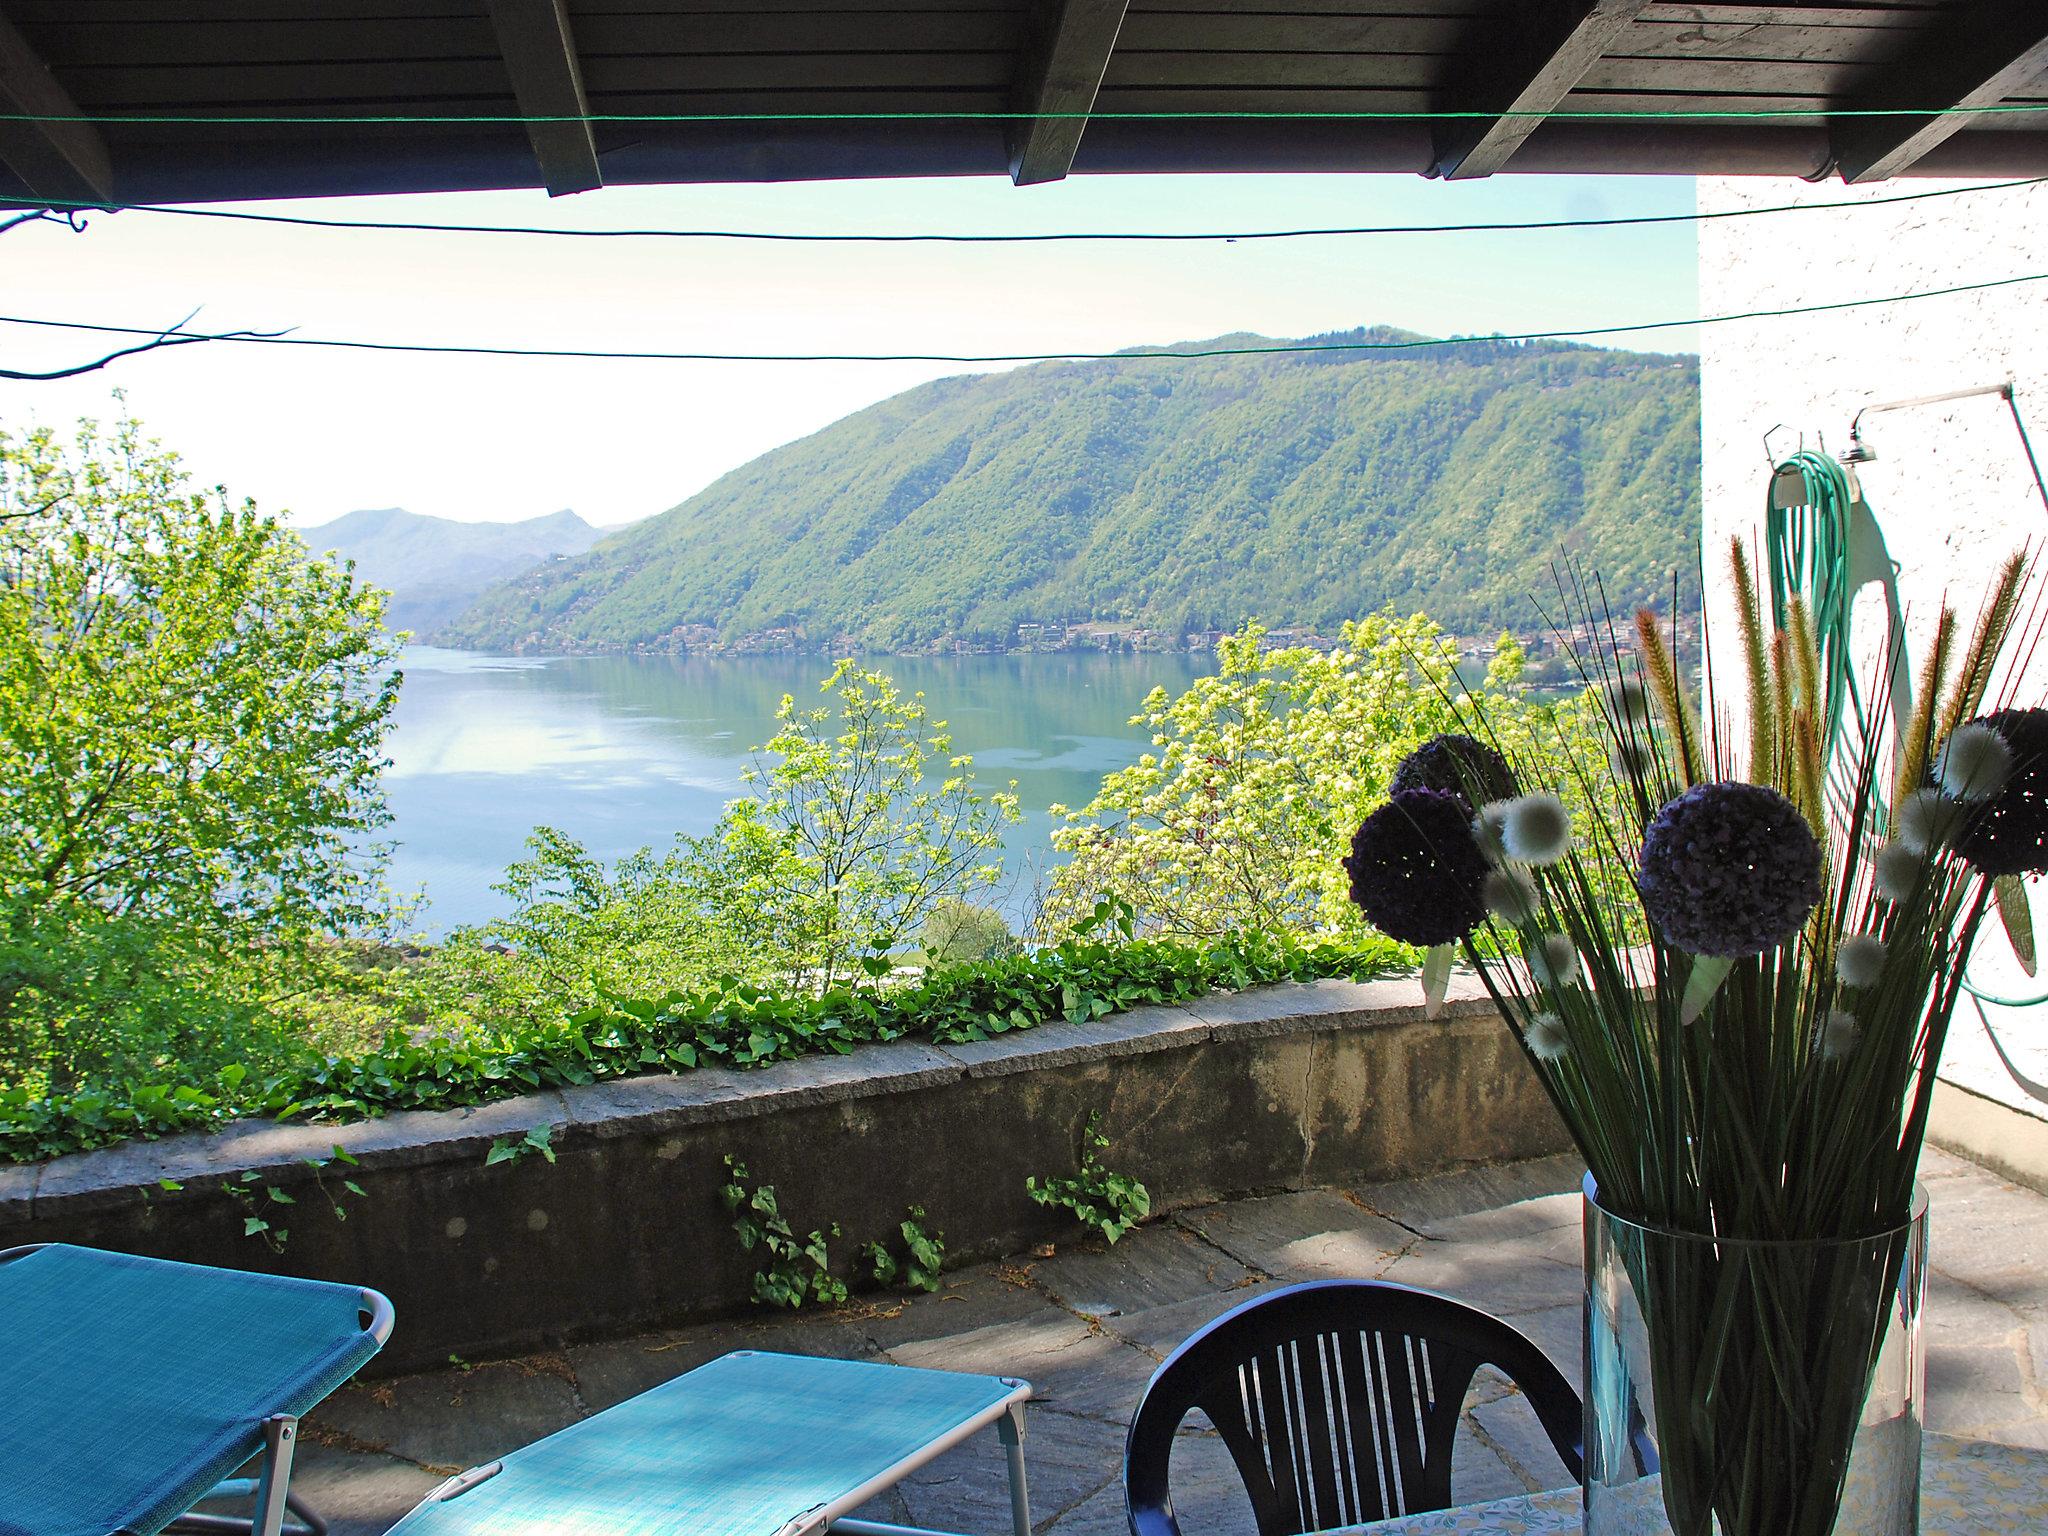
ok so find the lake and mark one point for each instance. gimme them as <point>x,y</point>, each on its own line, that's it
<point>623,752</point>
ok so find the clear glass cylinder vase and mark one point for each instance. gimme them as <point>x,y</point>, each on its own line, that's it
<point>1748,1388</point>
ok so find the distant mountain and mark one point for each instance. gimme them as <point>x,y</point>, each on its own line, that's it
<point>1298,488</point>
<point>434,566</point>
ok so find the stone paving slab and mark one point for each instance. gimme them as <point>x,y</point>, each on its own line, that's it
<point>1088,1325</point>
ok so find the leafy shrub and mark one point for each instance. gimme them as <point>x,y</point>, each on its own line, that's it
<point>730,1023</point>
<point>1264,771</point>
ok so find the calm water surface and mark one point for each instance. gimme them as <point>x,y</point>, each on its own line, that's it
<point>623,752</point>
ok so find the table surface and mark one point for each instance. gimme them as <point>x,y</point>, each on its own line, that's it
<point>744,1444</point>
<point>1967,1488</point>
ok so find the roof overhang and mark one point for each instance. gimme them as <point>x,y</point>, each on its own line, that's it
<point>145,101</point>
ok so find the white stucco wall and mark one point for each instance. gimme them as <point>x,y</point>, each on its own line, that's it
<point>1950,486</point>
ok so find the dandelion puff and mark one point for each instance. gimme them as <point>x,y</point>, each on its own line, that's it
<point>1536,829</point>
<point>1511,896</point>
<point>1488,824</point>
<point>1974,763</point>
<point>1860,960</point>
<point>1927,820</point>
<point>1546,1038</point>
<point>1555,962</point>
<point>1839,1035</point>
<point>1629,759</point>
<point>1627,699</point>
<point>1897,870</point>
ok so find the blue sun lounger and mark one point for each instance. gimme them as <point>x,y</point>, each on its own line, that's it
<point>130,1388</point>
<point>752,1444</point>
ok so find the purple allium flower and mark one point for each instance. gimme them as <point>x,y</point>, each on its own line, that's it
<point>1416,872</point>
<point>1729,869</point>
<point>2008,834</point>
<point>1456,765</point>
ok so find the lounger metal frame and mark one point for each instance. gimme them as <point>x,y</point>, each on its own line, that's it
<point>271,1488</point>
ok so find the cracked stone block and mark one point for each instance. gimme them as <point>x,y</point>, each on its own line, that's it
<point>1514,1434</point>
<point>970,1299</point>
<point>1072,1366</point>
<point>1958,1315</point>
<point>1154,1266</point>
<point>609,1372</point>
<point>1316,1234</point>
<point>1420,1204</point>
<point>1478,1474</point>
<point>359,1493</point>
<point>1161,1330</point>
<point>1969,1389</point>
<point>1503,1278</point>
<point>1067,1460</point>
<point>451,1420</point>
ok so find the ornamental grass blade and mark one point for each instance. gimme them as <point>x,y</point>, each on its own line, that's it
<point>1708,972</point>
<point>2018,919</point>
<point>1436,978</point>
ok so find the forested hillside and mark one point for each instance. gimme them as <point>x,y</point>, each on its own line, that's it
<point>1298,489</point>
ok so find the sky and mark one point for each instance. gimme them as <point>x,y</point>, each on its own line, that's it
<point>316,433</point>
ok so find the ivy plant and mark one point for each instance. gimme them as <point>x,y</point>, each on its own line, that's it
<point>798,1269</point>
<point>264,1205</point>
<point>1106,1203</point>
<point>511,1149</point>
<point>924,1254</point>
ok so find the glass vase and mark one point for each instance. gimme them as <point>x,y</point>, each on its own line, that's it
<point>1751,1388</point>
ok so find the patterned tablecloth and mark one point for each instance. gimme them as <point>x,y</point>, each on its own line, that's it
<point>1967,1488</point>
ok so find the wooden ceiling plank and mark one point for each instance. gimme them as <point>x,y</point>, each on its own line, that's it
<point>1531,80</point>
<point>1063,76</point>
<point>60,160</point>
<point>1995,53</point>
<point>547,80</point>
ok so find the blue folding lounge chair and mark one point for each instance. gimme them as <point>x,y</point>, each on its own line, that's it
<point>130,1388</point>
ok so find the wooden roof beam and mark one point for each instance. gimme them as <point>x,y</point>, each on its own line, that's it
<point>1064,76</point>
<point>547,80</point>
<point>1560,43</point>
<point>63,161</point>
<point>1991,51</point>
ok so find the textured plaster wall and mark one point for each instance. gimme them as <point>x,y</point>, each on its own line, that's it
<point>1950,487</point>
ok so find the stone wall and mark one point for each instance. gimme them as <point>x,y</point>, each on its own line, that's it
<point>1278,1088</point>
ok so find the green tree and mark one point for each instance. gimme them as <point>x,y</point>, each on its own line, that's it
<point>652,923</point>
<point>883,818</point>
<point>1262,773</point>
<point>192,716</point>
<point>959,931</point>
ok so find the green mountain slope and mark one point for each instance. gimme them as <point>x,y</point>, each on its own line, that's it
<point>1295,488</point>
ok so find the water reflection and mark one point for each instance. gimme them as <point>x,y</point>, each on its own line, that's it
<point>623,751</point>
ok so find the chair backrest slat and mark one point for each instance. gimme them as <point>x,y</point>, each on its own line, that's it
<point>1338,1402</point>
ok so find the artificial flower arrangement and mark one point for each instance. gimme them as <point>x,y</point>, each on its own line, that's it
<point>1733,970</point>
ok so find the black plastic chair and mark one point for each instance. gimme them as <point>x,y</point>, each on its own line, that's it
<point>1338,1401</point>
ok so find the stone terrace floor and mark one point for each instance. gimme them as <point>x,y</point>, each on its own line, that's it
<point>1087,1326</point>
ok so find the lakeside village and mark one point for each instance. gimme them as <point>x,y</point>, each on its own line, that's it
<point>1546,650</point>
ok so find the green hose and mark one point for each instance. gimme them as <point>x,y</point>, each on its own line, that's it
<point>1806,548</point>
